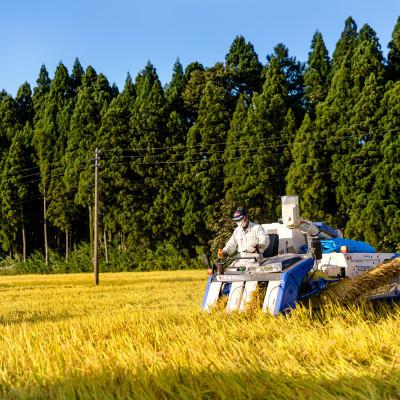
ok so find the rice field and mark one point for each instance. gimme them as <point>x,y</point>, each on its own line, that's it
<point>142,336</point>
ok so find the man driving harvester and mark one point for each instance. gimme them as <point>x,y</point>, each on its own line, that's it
<point>248,239</point>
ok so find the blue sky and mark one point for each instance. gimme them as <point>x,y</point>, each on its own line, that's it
<point>117,36</point>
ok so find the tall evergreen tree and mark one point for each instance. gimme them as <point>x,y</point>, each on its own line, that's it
<point>243,68</point>
<point>259,165</point>
<point>194,90</point>
<point>193,66</point>
<point>177,122</point>
<point>345,44</point>
<point>393,67</point>
<point>39,99</point>
<point>232,153</point>
<point>284,149</point>
<point>76,76</point>
<point>114,185</point>
<point>331,137</point>
<point>116,126</point>
<point>62,211</point>
<point>203,179</point>
<point>306,175</point>
<point>16,189</point>
<point>379,220</point>
<point>148,134</point>
<point>93,100</point>
<point>366,58</point>
<point>9,126</point>
<point>25,104</point>
<point>317,73</point>
<point>173,91</point>
<point>50,136</point>
<point>128,94</point>
<point>50,128</point>
<point>354,171</point>
<point>103,93</point>
<point>166,212</point>
<point>8,121</point>
<point>40,92</point>
<point>84,126</point>
<point>293,71</point>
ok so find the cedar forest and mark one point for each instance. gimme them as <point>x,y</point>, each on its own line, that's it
<point>175,161</point>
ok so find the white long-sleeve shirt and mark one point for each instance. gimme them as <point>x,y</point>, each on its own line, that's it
<point>246,240</point>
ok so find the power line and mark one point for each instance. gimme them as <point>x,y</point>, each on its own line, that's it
<point>205,152</point>
<point>277,177</point>
<point>147,149</point>
<point>280,144</point>
<point>22,177</point>
<point>51,166</point>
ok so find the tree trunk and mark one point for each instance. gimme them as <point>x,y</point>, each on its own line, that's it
<point>90,226</point>
<point>23,234</point>
<point>66,244</point>
<point>105,246</point>
<point>46,254</point>
<point>122,242</point>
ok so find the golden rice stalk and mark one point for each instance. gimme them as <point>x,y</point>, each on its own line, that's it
<point>220,305</point>
<point>353,290</point>
<point>257,298</point>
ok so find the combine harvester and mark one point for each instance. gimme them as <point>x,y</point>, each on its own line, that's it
<point>303,259</point>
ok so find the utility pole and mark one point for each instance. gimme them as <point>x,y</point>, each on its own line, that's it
<point>96,218</point>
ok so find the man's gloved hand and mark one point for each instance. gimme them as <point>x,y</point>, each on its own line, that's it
<point>221,254</point>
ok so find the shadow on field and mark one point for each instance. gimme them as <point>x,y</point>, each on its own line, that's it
<point>184,384</point>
